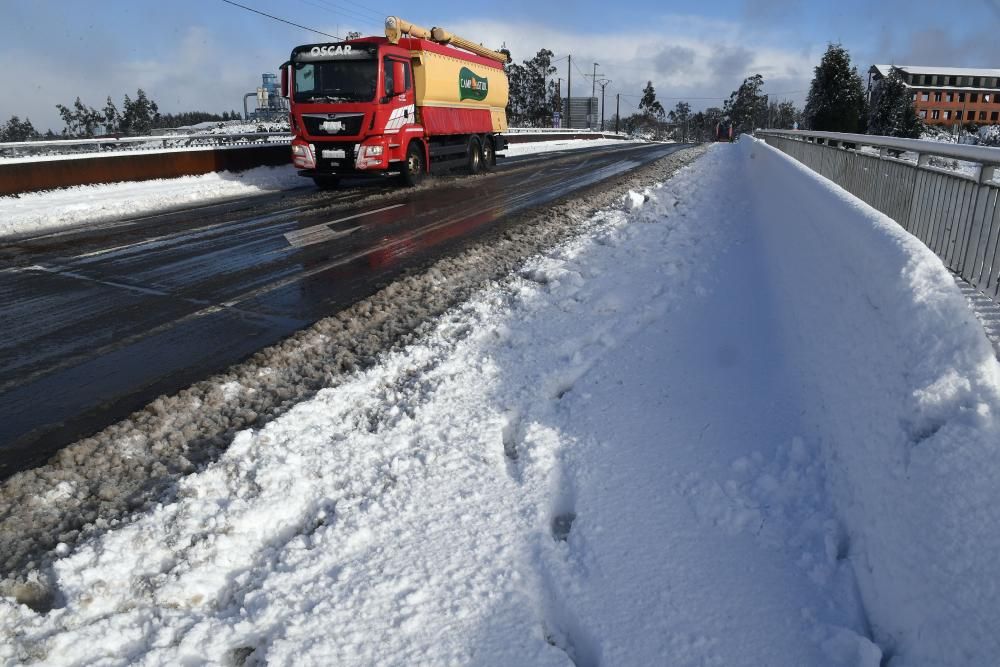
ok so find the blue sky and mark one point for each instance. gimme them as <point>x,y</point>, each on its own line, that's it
<point>205,54</point>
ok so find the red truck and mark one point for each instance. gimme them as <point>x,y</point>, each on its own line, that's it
<point>402,103</point>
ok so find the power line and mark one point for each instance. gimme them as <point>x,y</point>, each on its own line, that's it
<point>343,13</point>
<point>276,18</point>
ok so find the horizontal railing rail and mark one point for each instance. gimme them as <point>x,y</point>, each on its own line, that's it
<point>954,209</point>
<point>116,144</point>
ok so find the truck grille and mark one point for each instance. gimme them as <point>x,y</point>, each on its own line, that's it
<point>324,124</point>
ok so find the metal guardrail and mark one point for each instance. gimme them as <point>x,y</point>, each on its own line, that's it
<point>126,144</point>
<point>557,130</point>
<point>956,214</point>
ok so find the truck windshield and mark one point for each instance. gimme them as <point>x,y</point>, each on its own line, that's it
<point>336,80</point>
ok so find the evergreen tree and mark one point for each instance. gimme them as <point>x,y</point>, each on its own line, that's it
<point>836,101</point>
<point>81,120</point>
<point>892,113</point>
<point>531,98</point>
<point>112,118</point>
<point>680,115</point>
<point>139,115</point>
<point>746,107</point>
<point>18,130</point>
<point>649,105</point>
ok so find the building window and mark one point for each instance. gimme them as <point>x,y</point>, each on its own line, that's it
<point>995,116</point>
<point>958,115</point>
<point>950,97</point>
<point>937,97</point>
<point>935,114</point>
<point>924,97</point>
<point>923,113</point>
<point>973,97</point>
<point>982,115</point>
<point>975,82</point>
<point>947,115</point>
<point>961,97</point>
<point>986,98</point>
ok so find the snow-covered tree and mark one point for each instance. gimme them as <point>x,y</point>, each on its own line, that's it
<point>836,101</point>
<point>139,115</point>
<point>81,120</point>
<point>892,113</point>
<point>18,130</point>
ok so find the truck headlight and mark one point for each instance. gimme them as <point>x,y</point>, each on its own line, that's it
<point>373,151</point>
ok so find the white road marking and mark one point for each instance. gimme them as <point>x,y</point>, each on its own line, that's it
<point>300,238</point>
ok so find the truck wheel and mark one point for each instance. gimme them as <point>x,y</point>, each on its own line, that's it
<point>474,155</point>
<point>326,182</point>
<point>413,168</point>
<point>489,154</point>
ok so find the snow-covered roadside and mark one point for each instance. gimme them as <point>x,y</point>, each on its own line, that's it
<point>55,209</point>
<point>906,395</point>
<point>582,463</point>
<point>620,455</point>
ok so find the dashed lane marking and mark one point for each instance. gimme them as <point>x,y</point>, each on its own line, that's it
<point>300,238</point>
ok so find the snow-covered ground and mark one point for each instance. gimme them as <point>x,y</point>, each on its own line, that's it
<point>54,209</point>
<point>702,433</point>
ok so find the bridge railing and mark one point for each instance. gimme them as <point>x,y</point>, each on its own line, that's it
<point>122,144</point>
<point>944,194</point>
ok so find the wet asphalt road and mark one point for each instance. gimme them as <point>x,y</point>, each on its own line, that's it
<point>98,321</point>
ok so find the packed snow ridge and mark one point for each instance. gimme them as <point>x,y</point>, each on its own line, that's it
<point>742,419</point>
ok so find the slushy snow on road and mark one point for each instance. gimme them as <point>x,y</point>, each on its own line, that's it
<point>742,419</point>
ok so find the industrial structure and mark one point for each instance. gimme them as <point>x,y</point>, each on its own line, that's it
<point>271,106</point>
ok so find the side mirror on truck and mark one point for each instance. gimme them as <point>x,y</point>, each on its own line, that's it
<point>284,80</point>
<point>398,78</point>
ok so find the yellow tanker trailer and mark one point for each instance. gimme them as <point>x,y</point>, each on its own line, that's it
<point>403,103</point>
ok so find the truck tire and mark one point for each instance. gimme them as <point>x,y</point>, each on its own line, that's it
<point>474,155</point>
<point>489,154</point>
<point>326,182</point>
<point>415,165</point>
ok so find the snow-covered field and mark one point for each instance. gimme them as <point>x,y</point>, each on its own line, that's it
<point>46,211</point>
<point>743,419</point>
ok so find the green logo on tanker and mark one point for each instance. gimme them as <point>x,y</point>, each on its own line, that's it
<point>470,86</point>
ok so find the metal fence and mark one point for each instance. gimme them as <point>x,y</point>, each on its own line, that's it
<point>944,194</point>
<point>128,144</point>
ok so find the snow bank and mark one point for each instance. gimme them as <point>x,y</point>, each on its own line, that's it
<point>55,209</point>
<point>551,476</point>
<point>907,399</point>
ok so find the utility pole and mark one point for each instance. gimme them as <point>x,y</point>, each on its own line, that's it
<point>603,83</point>
<point>593,94</point>
<point>618,115</point>
<point>569,91</point>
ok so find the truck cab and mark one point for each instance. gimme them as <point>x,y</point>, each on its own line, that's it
<point>352,104</point>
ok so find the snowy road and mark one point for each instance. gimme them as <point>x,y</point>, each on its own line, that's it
<point>101,321</point>
<point>740,420</point>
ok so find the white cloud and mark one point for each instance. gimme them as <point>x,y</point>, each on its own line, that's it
<point>684,56</point>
